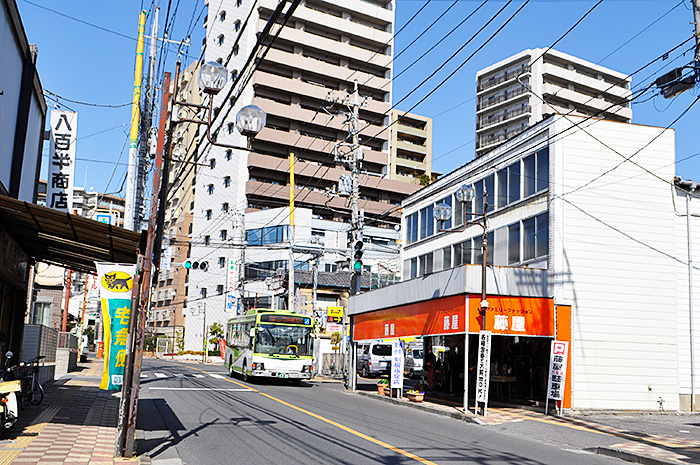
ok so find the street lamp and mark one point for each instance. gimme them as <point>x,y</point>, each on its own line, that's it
<point>442,212</point>
<point>250,119</point>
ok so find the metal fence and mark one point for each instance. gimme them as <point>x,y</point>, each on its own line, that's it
<point>67,341</point>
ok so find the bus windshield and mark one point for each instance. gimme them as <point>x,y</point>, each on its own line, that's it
<point>288,340</point>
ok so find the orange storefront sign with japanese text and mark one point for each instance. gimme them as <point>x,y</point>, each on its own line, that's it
<point>445,315</point>
<point>524,316</point>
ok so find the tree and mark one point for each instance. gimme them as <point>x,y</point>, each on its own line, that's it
<point>216,332</point>
<point>180,340</point>
<point>90,333</point>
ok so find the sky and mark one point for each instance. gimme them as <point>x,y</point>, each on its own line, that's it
<point>87,54</point>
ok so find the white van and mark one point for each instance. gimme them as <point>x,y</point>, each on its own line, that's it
<point>374,358</point>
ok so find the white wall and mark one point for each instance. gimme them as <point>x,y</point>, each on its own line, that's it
<point>618,263</point>
<point>10,76</point>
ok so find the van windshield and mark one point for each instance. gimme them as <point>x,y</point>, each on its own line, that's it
<point>417,353</point>
<point>383,350</point>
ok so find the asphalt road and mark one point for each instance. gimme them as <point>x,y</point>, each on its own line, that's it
<point>199,414</point>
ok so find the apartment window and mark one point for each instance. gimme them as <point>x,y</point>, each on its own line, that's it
<point>220,39</point>
<point>447,258</point>
<point>412,228</point>
<point>189,229</point>
<point>229,155</point>
<point>219,289</point>
<point>414,267</point>
<point>207,240</point>
<point>208,214</point>
<point>425,263</point>
<point>222,16</point>
<point>238,2</point>
<point>221,62</point>
<point>210,189</point>
<point>212,163</point>
<point>427,221</point>
<point>542,169</point>
<point>203,292</point>
<point>508,185</point>
<point>463,253</point>
<point>267,235</point>
<point>231,127</point>
<point>222,262</point>
<point>459,209</point>
<point>227,181</point>
<point>222,234</point>
<point>331,267</point>
<point>237,25</point>
<point>514,244</point>
<point>192,205</point>
<point>447,201</point>
<point>224,207</point>
<point>234,76</point>
<point>478,256</point>
<point>235,50</point>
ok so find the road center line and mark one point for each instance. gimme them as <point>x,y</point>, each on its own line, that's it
<point>155,388</point>
<point>331,422</point>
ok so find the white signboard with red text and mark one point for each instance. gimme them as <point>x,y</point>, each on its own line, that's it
<point>557,370</point>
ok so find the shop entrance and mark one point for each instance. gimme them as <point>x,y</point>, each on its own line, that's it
<point>518,375</point>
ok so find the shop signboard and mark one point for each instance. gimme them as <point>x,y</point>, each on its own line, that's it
<point>334,328</point>
<point>557,370</point>
<point>59,186</point>
<point>515,316</point>
<point>116,282</point>
<point>396,364</point>
<point>483,369</point>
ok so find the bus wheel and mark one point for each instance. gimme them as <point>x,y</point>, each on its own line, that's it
<point>245,371</point>
<point>230,367</point>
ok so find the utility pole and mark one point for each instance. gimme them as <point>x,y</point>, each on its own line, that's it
<point>130,213</point>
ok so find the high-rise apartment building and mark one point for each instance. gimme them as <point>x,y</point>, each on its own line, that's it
<point>411,148</point>
<point>520,91</point>
<point>304,83</point>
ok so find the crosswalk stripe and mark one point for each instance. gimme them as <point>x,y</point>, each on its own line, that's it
<point>197,375</point>
<point>161,375</point>
<point>216,376</point>
<point>179,375</point>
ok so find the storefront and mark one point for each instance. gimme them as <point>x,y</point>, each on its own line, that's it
<point>523,320</point>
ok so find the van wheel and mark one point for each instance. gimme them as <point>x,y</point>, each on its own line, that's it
<point>365,372</point>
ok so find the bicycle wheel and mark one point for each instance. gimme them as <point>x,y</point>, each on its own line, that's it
<point>23,394</point>
<point>36,395</point>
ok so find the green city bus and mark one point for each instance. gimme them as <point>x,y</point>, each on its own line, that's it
<point>268,343</point>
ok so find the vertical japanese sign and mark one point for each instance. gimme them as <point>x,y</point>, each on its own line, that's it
<point>483,368</point>
<point>231,304</point>
<point>396,364</point>
<point>557,370</point>
<point>115,282</point>
<point>59,188</point>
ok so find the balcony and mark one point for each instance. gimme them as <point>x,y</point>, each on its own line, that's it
<point>487,122</point>
<point>489,102</point>
<point>503,77</point>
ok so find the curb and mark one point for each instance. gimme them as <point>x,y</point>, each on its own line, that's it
<point>632,457</point>
<point>424,408</point>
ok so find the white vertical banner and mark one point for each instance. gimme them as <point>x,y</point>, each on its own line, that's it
<point>396,365</point>
<point>166,259</point>
<point>231,301</point>
<point>59,186</point>
<point>557,370</point>
<point>483,368</point>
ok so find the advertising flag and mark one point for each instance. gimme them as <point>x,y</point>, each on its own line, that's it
<point>115,283</point>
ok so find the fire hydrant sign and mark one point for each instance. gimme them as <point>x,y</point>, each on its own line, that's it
<point>557,370</point>
<point>396,365</point>
<point>483,369</point>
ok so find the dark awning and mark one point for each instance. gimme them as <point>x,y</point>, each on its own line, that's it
<point>67,240</point>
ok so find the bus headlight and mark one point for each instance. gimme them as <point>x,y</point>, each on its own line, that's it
<point>258,366</point>
<point>307,368</point>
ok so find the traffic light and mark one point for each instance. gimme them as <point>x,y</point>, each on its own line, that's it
<point>357,260</point>
<point>191,264</point>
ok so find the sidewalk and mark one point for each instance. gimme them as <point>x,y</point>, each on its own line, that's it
<point>76,424</point>
<point>630,436</point>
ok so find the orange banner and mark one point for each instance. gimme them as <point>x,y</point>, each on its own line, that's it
<point>524,316</point>
<point>439,316</point>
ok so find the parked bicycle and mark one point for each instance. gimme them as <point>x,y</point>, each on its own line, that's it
<point>32,390</point>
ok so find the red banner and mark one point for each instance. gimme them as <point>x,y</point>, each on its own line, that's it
<point>222,347</point>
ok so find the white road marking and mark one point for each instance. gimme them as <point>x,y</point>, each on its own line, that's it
<point>144,375</point>
<point>179,375</point>
<point>214,375</point>
<point>161,375</point>
<point>578,451</point>
<point>197,389</point>
<point>197,375</point>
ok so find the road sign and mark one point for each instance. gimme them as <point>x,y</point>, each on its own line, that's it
<point>335,312</point>
<point>335,319</point>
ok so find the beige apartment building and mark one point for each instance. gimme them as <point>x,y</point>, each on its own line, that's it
<point>304,83</point>
<point>411,148</point>
<point>518,92</point>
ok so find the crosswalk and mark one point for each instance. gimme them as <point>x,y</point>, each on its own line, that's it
<point>159,375</point>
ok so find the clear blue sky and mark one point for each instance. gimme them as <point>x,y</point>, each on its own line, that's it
<point>90,64</point>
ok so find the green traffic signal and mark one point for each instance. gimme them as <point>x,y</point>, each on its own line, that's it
<point>357,266</point>
<point>187,264</point>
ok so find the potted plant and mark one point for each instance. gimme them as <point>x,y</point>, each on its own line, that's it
<point>415,396</point>
<point>381,385</point>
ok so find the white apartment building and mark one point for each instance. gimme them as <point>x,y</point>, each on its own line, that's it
<point>610,233</point>
<point>302,84</point>
<point>522,90</point>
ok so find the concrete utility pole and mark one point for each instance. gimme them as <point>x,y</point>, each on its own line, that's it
<point>355,163</point>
